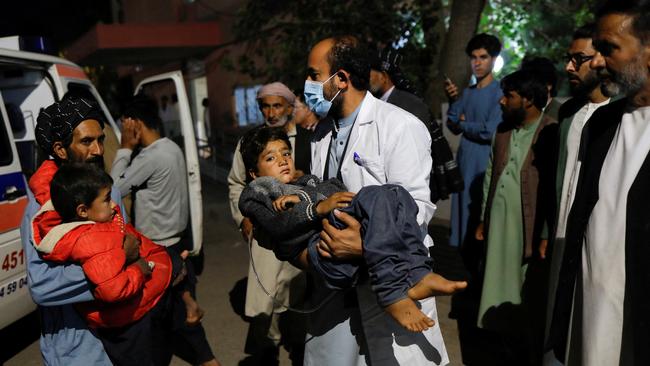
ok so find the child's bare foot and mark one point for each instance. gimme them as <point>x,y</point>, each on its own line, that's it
<point>194,313</point>
<point>407,314</point>
<point>434,284</point>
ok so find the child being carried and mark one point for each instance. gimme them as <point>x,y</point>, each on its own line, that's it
<point>287,212</point>
<point>78,222</point>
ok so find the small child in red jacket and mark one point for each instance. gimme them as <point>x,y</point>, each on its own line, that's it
<point>129,273</point>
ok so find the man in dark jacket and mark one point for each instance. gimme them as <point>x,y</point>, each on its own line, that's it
<point>603,293</point>
<point>574,114</point>
<point>388,83</point>
<point>512,217</point>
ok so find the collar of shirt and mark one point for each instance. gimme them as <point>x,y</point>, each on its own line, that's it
<point>594,106</point>
<point>387,94</point>
<point>349,120</point>
<point>532,125</point>
<point>340,135</point>
<point>582,116</point>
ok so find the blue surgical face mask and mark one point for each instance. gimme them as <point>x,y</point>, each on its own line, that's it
<point>315,99</point>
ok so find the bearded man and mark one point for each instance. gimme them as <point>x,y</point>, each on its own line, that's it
<point>602,300</point>
<point>69,131</point>
<point>512,218</point>
<point>574,114</point>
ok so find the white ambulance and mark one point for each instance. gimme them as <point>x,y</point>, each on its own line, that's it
<point>29,82</point>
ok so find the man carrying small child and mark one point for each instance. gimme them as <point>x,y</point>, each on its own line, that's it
<point>82,224</point>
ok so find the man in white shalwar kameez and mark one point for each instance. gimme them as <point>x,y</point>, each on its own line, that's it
<point>602,308</point>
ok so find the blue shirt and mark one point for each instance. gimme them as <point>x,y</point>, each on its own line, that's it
<point>340,135</point>
<point>482,112</point>
<point>65,336</point>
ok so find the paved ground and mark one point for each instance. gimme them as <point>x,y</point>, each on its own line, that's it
<point>220,292</point>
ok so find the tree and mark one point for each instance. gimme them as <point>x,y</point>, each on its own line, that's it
<point>277,35</point>
<point>453,61</point>
<point>541,28</point>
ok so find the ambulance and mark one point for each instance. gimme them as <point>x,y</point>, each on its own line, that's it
<point>32,81</point>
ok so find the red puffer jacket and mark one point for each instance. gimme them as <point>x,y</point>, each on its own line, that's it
<point>123,294</point>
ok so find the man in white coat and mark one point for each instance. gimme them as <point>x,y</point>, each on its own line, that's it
<point>364,141</point>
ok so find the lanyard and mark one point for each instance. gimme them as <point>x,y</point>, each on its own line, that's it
<point>326,174</point>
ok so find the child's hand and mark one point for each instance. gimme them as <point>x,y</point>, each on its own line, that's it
<point>131,246</point>
<point>144,266</point>
<point>283,203</point>
<point>337,200</point>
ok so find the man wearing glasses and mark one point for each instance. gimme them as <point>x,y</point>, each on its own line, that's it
<point>573,115</point>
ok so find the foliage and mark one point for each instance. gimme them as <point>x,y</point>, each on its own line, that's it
<point>279,34</point>
<point>540,28</point>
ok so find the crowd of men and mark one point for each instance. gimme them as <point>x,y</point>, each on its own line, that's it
<point>536,221</point>
<point>550,223</point>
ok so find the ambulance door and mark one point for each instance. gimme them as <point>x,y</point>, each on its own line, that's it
<point>15,300</point>
<point>173,107</point>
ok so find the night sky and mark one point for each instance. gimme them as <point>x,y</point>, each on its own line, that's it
<point>60,21</point>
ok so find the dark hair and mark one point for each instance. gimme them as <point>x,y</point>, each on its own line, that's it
<point>526,84</point>
<point>75,184</point>
<point>300,95</point>
<point>587,31</point>
<point>350,55</point>
<point>145,109</point>
<point>542,68</point>
<point>254,142</point>
<point>388,60</point>
<point>484,40</point>
<point>637,9</point>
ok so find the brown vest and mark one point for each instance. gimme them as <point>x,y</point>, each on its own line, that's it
<point>529,181</point>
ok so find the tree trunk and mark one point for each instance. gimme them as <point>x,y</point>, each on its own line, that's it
<point>453,62</point>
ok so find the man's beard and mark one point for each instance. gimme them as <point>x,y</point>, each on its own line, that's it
<point>514,117</point>
<point>97,161</point>
<point>337,108</point>
<point>280,121</point>
<point>375,90</point>
<point>586,85</point>
<point>630,80</point>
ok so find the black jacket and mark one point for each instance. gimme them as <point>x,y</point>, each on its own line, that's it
<point>410,103</point>
<point>303,149</point>
<point>445,175</point>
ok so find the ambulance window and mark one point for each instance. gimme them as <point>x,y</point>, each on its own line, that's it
<point>5,149</point>
<point>246,107</point>
<point>16,120</point>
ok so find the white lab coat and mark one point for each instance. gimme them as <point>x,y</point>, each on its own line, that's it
<point>393,146</point>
